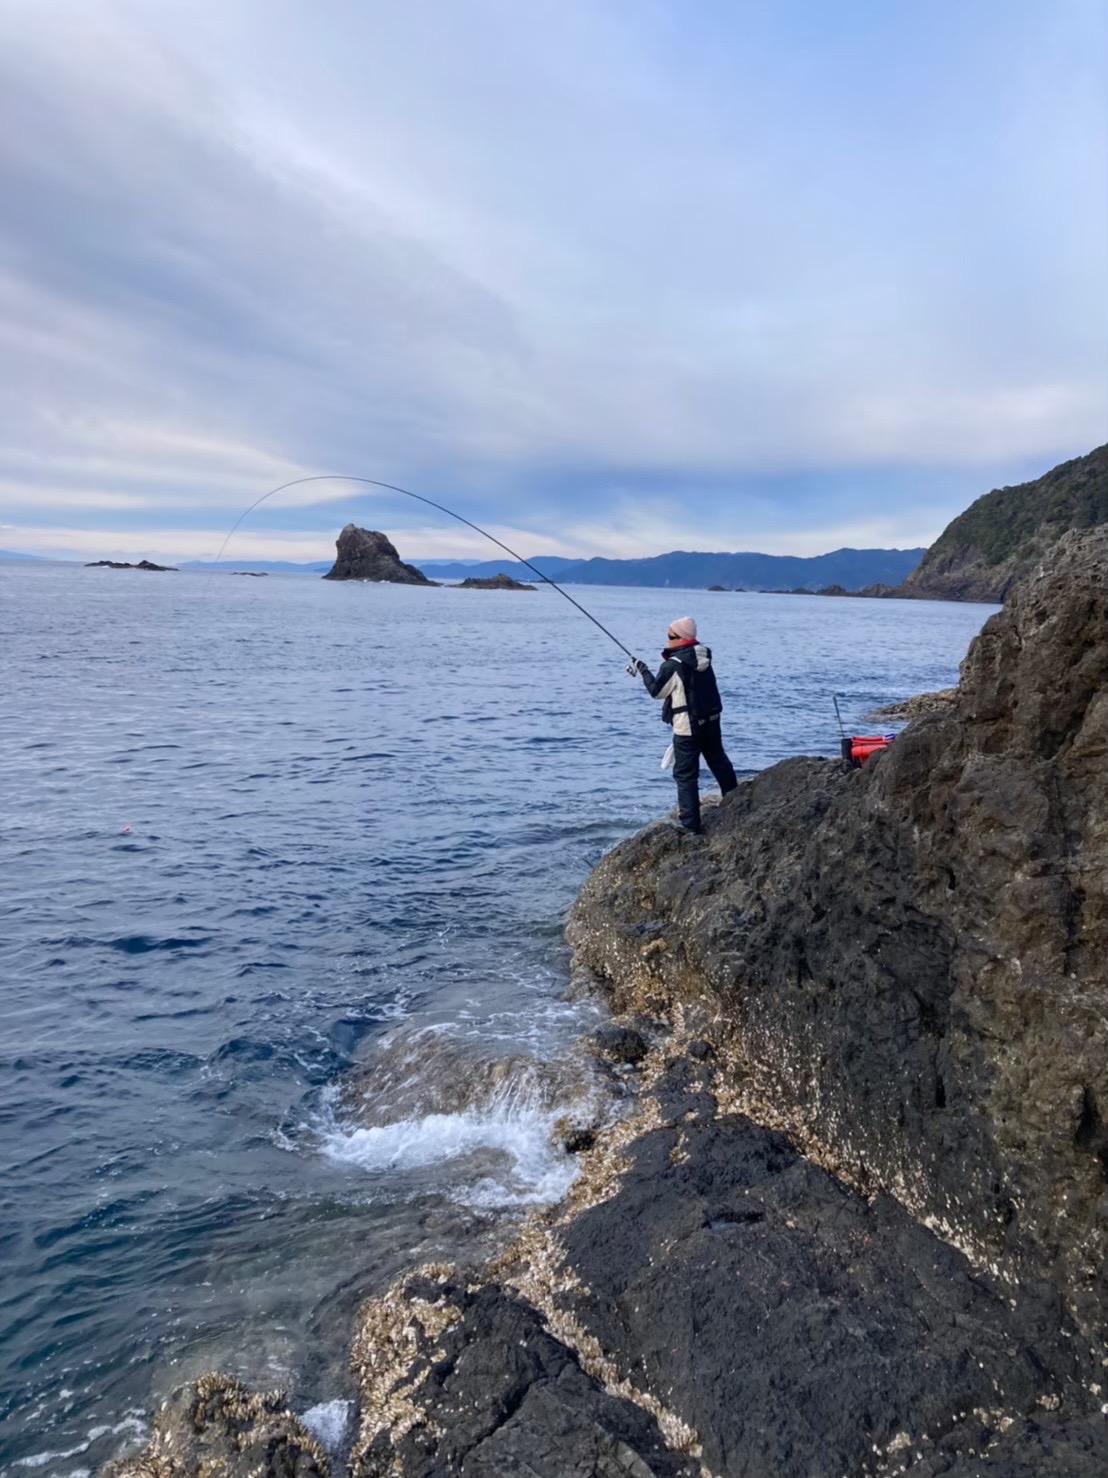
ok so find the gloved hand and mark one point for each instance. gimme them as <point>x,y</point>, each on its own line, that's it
<point>642,669</point>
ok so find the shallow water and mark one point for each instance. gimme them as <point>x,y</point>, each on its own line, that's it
<point>356,816</point>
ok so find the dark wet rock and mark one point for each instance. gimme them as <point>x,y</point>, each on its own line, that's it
<point>143,564</point>
<point>1039,1447</point>
<point>253,574</point>
<point>365,554</point>
<point>578,1138</point>
<point>712,1301</point>
<point>493,582</point>
<point>620,1043</point>
<point>797,1328</point>
<point>216,1428</point>
<point>907,961</point>
<point>471,1382</point>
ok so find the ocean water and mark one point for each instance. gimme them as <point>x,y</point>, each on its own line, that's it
<point>283,865</point>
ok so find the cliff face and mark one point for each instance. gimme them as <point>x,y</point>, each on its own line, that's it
<point>1001,537</point>
<point>910,959</point>
<point>364,554</point>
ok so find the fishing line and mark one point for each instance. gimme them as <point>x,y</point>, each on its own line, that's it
<point>392,488</point>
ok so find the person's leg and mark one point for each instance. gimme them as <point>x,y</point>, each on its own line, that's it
<point>715,757</point>
<point>686,772</point>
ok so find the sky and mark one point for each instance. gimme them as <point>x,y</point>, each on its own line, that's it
<point>610,276</point>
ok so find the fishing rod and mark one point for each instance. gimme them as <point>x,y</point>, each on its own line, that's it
<point>838,715</point>
<point>419,498</point>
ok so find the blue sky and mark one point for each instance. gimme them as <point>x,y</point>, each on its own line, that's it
<point>613,276</point>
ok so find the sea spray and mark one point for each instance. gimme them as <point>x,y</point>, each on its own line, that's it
<point>428,1099</point>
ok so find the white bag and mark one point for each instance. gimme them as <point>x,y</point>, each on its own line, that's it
<point>667,758</point>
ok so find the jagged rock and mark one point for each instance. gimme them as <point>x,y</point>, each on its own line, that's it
<point>909,959</point>
<point>364,554</point>
<point>711,1301</point>
<point>469,1381</point>
<point>797,1328</point>
<point>215,1428</point>
<point>493,582</point>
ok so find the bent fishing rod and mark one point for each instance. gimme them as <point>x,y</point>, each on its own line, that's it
<point>419,498</point>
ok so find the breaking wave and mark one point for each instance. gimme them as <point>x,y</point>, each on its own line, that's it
<point>490,1125</point>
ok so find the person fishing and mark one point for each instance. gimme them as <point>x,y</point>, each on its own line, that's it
<point>690,698</point>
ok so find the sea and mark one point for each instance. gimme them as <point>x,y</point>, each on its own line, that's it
<point>286,1006</point>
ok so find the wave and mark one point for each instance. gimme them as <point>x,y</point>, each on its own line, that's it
<point>430,1099</point>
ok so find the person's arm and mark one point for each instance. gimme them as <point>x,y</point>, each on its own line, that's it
<point>660,686</point>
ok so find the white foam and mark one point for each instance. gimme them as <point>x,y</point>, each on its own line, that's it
<point>510,1125</point>
<point>329,1423</point>
<point>40,1459</point>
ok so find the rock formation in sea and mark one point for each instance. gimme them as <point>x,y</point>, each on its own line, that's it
<point>856,1221</point>
<point>1004,534</point>
<point>493,582</point>
<point>143,564</point>
<point>365,554</point>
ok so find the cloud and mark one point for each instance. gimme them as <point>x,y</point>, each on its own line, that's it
<point>551,262</point>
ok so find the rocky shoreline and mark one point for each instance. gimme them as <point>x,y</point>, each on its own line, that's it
<point>856,1220</point>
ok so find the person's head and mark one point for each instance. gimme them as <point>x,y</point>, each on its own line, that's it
<point>681,630</point>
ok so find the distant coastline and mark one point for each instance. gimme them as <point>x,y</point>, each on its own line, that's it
<point>852,570</point>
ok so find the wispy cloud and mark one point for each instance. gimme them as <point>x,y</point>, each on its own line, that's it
<point>562,263</point>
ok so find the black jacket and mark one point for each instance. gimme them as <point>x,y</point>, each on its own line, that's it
<point>687,686</point>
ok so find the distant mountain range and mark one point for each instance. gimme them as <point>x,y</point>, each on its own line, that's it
<point>852,569</point>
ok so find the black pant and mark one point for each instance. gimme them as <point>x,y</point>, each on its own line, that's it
<point>705,741</point>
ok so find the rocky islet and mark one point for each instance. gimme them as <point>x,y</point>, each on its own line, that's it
<point>493,582</point>
<point>143,564</point>
<point>367,554</point>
